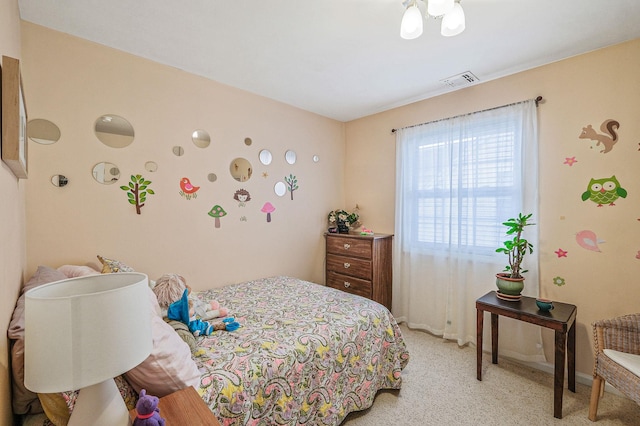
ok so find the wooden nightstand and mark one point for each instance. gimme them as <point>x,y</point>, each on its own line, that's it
<point>184,407</point>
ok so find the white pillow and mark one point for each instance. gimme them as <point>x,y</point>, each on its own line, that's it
<point>629,361</point>
<point>73,271</point>
<point>169,367</point>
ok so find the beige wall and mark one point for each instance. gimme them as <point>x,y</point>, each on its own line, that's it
<point>12,220</point>
<point>582,90</point>
<point>72,82</point>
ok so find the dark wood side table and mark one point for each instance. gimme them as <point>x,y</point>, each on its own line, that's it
<point>561,319</point>
<point>184,407</point>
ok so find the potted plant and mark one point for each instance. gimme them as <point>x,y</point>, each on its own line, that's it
<point>510,282</point>
<point>343,219</point>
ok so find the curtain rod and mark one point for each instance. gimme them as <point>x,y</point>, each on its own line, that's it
<point>537,100</point>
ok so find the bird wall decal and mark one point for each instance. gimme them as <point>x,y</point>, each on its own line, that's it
<point>188,191</point>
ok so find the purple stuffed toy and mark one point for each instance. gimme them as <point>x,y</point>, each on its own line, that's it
<point>147,411</point>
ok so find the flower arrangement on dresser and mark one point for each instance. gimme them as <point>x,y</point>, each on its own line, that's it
<point>342,220</point>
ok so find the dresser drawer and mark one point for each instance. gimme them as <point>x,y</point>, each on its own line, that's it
<point>349,246</point>
<point>352,266</point>
<point>349,284</point>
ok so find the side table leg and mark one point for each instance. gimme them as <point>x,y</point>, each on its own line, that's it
<point>571,357</point>
<point>558,379</point>
<point>479,326</point>
<point>494,338</point>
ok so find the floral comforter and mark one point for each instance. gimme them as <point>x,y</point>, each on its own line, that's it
<point>305,354</point>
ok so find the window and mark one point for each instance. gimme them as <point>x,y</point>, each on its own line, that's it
<point>464,185</point>
<point>457,180</point>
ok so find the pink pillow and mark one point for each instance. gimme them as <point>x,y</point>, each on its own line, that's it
<point>169,367</point>
<point>24,401</point>
<point>73,271</point>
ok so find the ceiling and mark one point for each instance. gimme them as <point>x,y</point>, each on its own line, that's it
<point>342,59</point>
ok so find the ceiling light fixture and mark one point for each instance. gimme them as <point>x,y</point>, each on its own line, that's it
<point>450,11</point>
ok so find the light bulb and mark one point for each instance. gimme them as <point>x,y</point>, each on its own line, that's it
<point>411,26</point>
<point>453,23</point>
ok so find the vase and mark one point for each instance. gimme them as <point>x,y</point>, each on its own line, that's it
<point>343,228</point>
<point>509,288</point>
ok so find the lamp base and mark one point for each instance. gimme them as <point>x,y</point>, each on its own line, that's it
<point>100,405</point>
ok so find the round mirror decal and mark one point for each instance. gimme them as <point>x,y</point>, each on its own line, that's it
<point>240,169</point>
<point>280,189</point>
<point>248,141</point>
<point>201,138</point>
<point>178,151</point>
<point>212,177</point>
<point>114,131</point>
<point>59,180</point>
<point>265,157</point>
<point>106,173</point>
<point>316,158</point>
<point>151,166</point>
<point>290,156</point>
<point>43,131</point>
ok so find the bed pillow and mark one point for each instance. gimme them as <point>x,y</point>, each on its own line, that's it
<point>183,331</point>
<point>24,401</point>
<point>169,367</point>
<point>58,406</point>
<point>73,271</point>
<point>112,265</point>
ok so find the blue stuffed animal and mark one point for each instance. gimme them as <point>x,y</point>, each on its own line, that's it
<point>179,311</point>
<point>147,411</point>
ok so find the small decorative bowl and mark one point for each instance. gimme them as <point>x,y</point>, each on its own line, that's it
<point>544,304</point>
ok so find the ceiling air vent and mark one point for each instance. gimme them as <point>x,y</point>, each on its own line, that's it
<point>465,79</point>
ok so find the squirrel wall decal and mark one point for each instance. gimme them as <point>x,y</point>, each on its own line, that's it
<point>608,140</point>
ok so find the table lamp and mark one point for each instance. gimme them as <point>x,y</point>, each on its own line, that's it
<point>82,332</point>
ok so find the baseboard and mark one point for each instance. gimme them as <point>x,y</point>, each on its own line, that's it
<point>585,379</point>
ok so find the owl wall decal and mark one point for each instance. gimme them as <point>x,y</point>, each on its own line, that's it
<point>604,191</point>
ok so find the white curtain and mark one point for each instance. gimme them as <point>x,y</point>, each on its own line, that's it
<point>457,180</point>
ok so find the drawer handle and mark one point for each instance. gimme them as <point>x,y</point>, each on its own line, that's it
<point>347,284</point>
<point>347,246</point>
<point>346,265</point>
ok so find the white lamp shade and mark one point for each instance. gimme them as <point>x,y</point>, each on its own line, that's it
<point>82,331</point>
<point>411,26</point>
<point>453,23</point>
<point>439,7</point>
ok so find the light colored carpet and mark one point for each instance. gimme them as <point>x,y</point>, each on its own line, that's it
<point>440,388</point>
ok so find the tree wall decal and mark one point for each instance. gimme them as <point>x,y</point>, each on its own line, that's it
<point>137,191</point>
<point>292,184</point>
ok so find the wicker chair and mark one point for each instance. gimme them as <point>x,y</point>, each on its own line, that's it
<point>620,334</point>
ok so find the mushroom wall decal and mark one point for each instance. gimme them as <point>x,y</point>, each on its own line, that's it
<point>217,212</point>
<point>268,209</point>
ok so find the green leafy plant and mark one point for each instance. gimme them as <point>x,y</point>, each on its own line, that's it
<point>517,247</point>
<point>348,218</point>
<point>137,191</point>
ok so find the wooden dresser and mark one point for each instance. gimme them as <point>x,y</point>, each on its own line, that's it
<point>360,264</point>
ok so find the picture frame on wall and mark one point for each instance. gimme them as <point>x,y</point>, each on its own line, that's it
<point>14,118</point>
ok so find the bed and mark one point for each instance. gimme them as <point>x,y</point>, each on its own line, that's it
<point>305,354</point>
